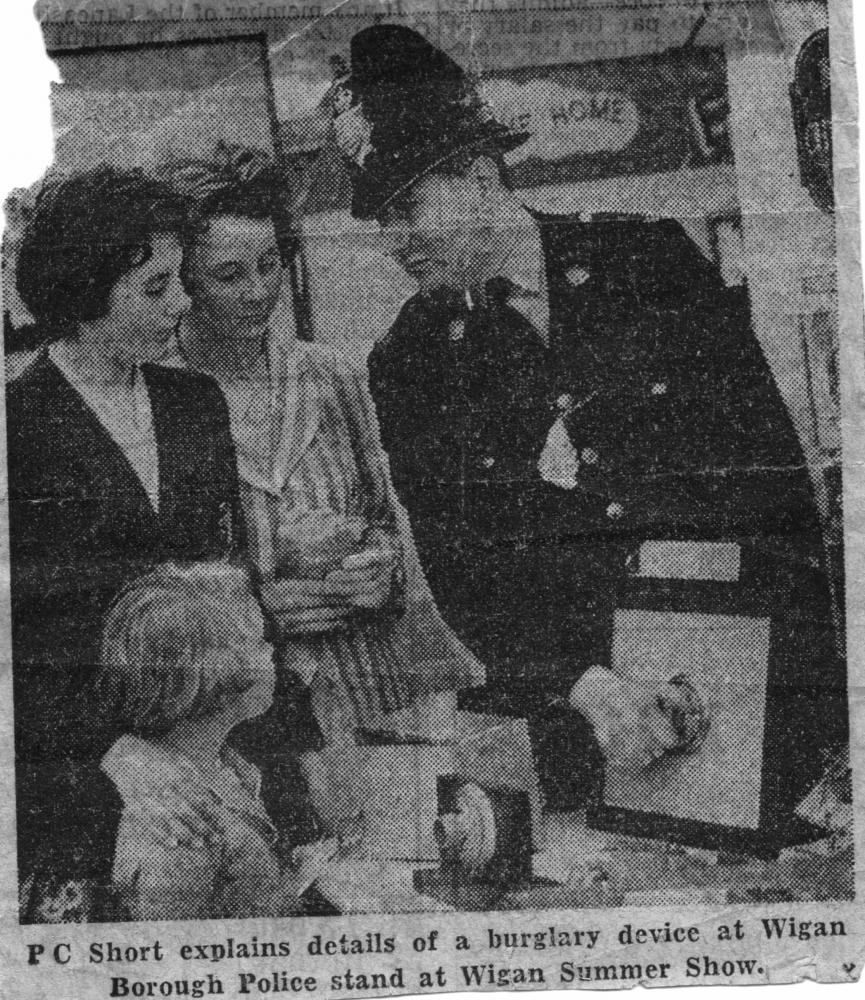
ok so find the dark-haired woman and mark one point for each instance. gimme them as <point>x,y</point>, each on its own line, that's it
<point>333,554</point>
<point>115,464</point>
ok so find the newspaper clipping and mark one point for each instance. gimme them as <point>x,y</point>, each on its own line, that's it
<point>432,500</point>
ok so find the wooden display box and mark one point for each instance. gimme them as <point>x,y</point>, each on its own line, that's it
<point>738,792</point>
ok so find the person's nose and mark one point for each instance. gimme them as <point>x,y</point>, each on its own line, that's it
<point>178,301</point>
<point>396,240</point>
<point>255,289</point>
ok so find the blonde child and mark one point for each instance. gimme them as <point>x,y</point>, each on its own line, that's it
<point>185,661</point>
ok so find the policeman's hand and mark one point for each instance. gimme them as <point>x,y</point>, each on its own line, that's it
<point>630,724</point>
<point>640,735</point>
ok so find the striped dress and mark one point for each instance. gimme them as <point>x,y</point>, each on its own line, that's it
<point>308,451</point>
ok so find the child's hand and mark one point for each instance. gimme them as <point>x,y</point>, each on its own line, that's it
<point>178,815</point>
<point>310,861</point>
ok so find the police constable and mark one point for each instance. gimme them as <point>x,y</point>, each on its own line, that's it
<point>555,394</point>
<point>461,380</point>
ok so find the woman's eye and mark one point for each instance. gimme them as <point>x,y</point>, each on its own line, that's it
<point>228,275</point>
<point>268,265</point>
<point>156,290</point>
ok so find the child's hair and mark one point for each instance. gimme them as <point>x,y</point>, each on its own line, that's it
<point>167,642</point>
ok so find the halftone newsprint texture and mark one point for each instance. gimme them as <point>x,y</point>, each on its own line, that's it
<point>433,466</point>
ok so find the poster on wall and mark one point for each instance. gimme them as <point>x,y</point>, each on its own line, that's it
<point>811,97</point>
<point>640,115</point>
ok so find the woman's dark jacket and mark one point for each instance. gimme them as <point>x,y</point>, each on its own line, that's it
<point>81,528</point>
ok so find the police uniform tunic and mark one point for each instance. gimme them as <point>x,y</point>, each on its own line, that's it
<point>674,429</point>
<point>461,397</point>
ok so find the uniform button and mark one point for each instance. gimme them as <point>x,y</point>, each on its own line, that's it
<point>615,511</point>
<point>488,462</point>
<point>660,388</point>
<point>456,330</point>
<point>577,276</point>
<point>589,456</point>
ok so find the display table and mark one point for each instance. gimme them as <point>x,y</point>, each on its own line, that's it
<point>584,868</point>
<point>598,868</point>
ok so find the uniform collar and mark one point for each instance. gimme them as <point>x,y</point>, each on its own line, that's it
<point>522,265</point>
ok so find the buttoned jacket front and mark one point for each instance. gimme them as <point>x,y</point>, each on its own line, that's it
<point>679,433</point>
